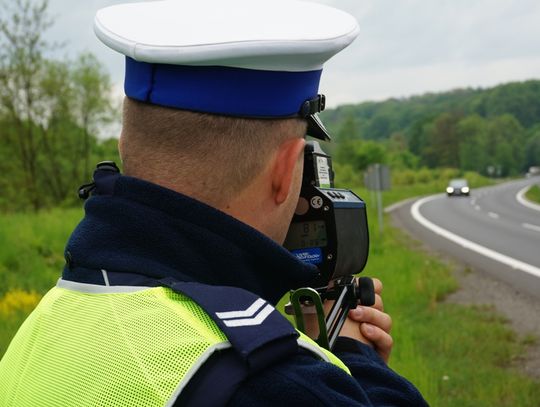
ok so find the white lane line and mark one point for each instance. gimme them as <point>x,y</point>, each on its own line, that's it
<point>531,227</point>
<point>520,196</point>
<point>493,215</point>
<point>475,247</point>
<point>477,207</point>
<point>397,205</point>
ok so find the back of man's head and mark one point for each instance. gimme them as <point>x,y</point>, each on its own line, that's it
<point>208,157</point>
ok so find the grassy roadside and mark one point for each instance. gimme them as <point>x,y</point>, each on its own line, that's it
<point>31,258</point>
<point>456,355</point>
<point>533,194</point>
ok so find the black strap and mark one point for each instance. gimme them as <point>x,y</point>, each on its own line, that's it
<point>312,106</point>
<point>216,382</point>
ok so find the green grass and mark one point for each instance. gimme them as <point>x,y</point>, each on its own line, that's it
<point>533,194</point>
<point>456,355</point>
<point>32,248</point>
<point>31,260</point>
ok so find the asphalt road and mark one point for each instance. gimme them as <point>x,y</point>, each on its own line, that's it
<point>491,231</point>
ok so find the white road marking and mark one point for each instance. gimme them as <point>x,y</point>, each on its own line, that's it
<point>397,205</point>
<point>523,201</point>
<point>477,207</point>
<point>493,215</point>
<point>484,251</point>
<point>531,227</point>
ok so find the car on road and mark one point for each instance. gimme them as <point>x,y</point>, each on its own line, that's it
<point>458,187</point>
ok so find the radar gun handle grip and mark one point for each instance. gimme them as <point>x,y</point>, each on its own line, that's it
<point>366,291</point>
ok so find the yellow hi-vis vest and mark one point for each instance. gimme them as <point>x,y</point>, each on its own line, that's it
<point>88,345</point>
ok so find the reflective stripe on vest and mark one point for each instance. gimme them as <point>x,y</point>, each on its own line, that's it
<point>110,345</point>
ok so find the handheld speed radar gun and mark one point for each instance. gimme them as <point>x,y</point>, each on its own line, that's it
<point>329,229</point>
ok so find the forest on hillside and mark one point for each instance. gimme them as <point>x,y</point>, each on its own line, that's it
<point>494,131</point>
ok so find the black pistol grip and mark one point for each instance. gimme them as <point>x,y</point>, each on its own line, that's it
<point>366,291</point>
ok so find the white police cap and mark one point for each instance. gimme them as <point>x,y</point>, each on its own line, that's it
<point>244,58</point>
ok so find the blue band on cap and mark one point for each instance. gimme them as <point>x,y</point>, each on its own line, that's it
<point>221,90</point>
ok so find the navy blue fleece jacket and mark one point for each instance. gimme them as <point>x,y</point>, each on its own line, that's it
<point>143,230</point>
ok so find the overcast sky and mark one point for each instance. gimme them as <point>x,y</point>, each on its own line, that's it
<point>405,47</point>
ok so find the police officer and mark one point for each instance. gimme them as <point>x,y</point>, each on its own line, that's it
<point>168,294</point>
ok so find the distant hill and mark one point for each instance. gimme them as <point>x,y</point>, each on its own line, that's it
<point>379,120</point>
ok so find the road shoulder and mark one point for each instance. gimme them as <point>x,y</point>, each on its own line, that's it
<point>478,288</point>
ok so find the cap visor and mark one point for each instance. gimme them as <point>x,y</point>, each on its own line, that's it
<point>316,128</point>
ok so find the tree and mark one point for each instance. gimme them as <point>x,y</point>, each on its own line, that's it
<point>359,154</point>
<point>417,135</point>
<point>348,129</point>
<point>22,46</point>
<point>506,144</point>
<point>91,102</point>
<point>442,142</point>
<point>517,99</point>
<point>51,112</point>
<point>472,131</point>
<point>532,149</point>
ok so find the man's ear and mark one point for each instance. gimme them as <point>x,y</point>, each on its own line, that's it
<point>286,160</point>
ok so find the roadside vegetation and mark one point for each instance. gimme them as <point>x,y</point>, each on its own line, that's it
<point>31,260</point>
<point>54,113</point>
<point>533,194</point>
<point>457,355</point>
<point>493,131</point>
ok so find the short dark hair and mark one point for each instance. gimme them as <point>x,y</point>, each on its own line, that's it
<point>220,154</point>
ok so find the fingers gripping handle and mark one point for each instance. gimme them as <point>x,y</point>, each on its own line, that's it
<point>365,291</point>
<point>352,291</point>
<point>346,292</point>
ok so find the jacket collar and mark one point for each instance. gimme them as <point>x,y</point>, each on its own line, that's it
<point>152,231</point>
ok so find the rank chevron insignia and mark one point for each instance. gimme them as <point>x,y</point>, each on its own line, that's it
<point>247,317</point>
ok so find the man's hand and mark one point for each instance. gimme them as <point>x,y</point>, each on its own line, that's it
<point>371,325</point>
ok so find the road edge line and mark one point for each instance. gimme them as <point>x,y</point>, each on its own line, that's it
<point>520,197</point>
<point>484,251</point>
<point>398,205</point>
